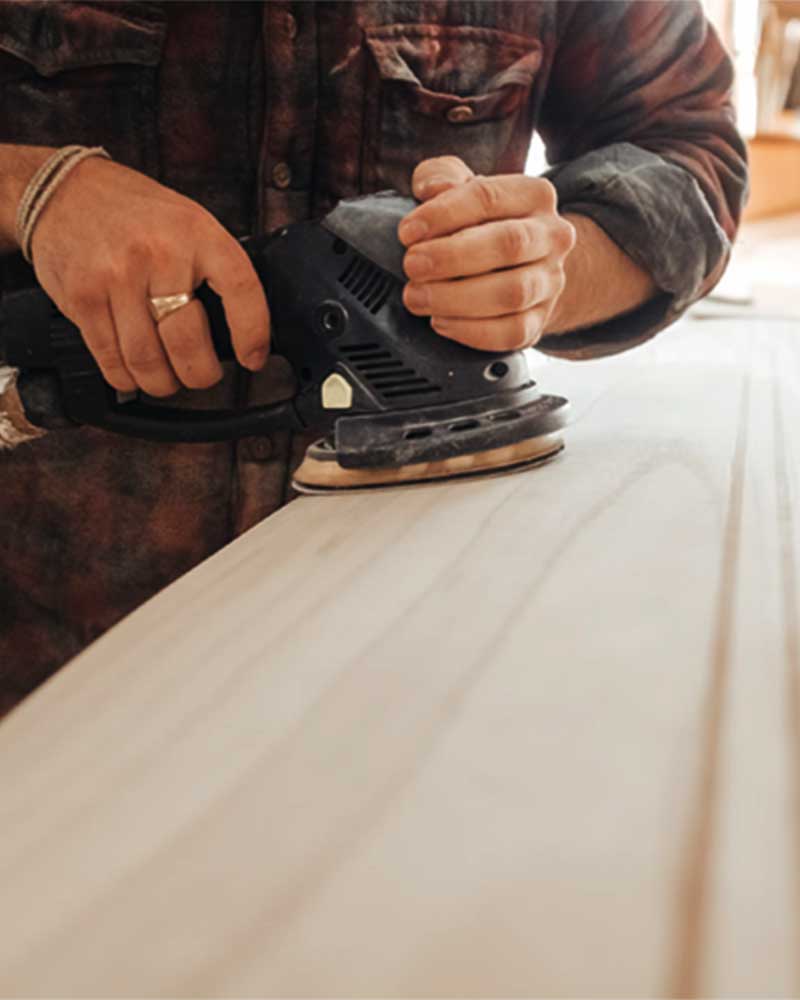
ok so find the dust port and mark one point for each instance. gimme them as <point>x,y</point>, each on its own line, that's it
<point>417,433</point>
<point>464,425</point>
<point>495,371</point>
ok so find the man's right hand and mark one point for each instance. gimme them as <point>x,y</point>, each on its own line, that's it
<point>109,239</point>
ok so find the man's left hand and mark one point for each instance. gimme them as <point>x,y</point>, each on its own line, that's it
<point>486,254</point>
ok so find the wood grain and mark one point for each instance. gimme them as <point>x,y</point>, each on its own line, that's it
<point>527,736</point>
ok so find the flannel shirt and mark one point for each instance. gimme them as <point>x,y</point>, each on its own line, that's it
<point>270,113</point>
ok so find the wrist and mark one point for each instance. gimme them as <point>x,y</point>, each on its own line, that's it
<point>602,281</point>
<point>43,185</point>
<point>18,164</point>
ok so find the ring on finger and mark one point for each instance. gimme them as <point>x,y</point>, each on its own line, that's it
<point>162,306</point>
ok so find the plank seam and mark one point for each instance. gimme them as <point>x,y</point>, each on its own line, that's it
<point>685,975</point>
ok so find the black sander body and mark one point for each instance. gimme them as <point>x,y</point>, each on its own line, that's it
<point>393,401</point>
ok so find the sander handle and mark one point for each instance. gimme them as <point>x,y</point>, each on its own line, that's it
<point>61,384</point>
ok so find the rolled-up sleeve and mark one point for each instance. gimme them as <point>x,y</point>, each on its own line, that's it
<point>639,126</point>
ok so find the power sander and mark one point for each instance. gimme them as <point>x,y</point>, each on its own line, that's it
<point>394,402</point>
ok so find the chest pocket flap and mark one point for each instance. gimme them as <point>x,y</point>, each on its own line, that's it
<point>53,37</point>
<point>447,89</point>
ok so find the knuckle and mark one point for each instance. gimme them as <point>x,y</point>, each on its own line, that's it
<point>240,277</point>
<point>137,253</point>
<point>192,216</point>
<point>563,236</point>
<point>487,194</point>
<point>82,299</point>
<point>112,274</point>
<point>435,163</point>
<point>544,194</point>
<point>531,329</point>
<point>143,357</point>
<point>519,292</point>
<point>450,160</point>
<point>160,252</point>
<point>515,241</point>
<point>559,281</point>
<point>518,332</point>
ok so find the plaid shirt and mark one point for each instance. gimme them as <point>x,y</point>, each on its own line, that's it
<point>270,113</point>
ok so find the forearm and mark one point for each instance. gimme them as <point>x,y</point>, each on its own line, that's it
<point>601,281</point>
<point>17,165</point>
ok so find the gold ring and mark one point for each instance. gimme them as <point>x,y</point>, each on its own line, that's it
<point>162,305</point>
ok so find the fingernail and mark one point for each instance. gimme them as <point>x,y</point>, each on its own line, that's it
<point>256,360</point>
<point>417,297</point>
<point>417,264</point>
<point>434,182</point>
<point>412,231</point>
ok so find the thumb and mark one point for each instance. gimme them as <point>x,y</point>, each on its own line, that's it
<point>440,173</point>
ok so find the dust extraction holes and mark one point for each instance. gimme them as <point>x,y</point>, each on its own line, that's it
<point>505,415</point>
<point>417,433</point>
<point>464,425</point>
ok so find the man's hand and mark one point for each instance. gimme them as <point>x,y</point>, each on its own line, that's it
<point>109,239</point>
<point>486,254</point>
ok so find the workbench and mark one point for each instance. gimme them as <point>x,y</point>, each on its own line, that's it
<point>534,735</point>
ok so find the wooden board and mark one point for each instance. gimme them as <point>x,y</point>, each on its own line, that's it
<point>527,736</point>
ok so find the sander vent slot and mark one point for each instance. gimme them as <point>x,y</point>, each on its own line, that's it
<point>366,282</point>
<point>386,374</point>
<point>397,393</point>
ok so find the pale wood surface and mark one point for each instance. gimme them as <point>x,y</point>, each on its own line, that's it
<point>528,736</point>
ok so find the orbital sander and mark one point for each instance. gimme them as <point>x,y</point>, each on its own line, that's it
<point>393,401</point>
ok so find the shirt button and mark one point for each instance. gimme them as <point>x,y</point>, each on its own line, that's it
<point>257,449</point>
<point>291,26</point>
<point>281,175</point>
<point>460,113</point>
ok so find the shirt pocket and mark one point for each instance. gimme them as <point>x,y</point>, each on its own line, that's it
<point>82,73</point>
<point>446,90</point>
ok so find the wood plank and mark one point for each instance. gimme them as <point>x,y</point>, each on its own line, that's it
<point>500,738</point>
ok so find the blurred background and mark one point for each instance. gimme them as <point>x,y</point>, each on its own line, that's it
<point>763,38</point>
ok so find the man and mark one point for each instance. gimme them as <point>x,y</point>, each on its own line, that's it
<point>227,119</point>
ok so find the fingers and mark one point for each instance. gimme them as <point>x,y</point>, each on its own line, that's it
<point>186,337</point>
<point>478,200</point>
<point>142,351</point>
<point>228,270</point>
<point>495,294</point>
<point>110,239</point>
<point>184,333</point>
<point>97,328</point>
<point>437,174</point>
<point>479,249</point>
<point>499,333</point>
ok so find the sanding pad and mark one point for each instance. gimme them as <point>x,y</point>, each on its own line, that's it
<point>320,472</point>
